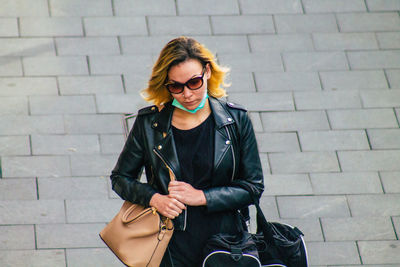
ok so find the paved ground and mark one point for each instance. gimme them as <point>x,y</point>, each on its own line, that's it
<point>321,80</point>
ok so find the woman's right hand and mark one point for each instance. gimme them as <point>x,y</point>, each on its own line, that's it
<point>167,206</point>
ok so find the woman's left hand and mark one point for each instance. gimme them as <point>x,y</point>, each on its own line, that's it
<point>186,194</point>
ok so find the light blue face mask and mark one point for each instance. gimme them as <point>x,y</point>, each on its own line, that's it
<point>200,106</point>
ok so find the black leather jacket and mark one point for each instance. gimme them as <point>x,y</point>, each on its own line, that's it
<point>236,159</point>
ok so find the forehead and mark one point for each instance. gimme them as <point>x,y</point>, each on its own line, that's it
<point>185,70</point>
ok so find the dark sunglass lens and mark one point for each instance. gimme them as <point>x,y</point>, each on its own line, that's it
<point>195,83</point>
<point>175,88</point>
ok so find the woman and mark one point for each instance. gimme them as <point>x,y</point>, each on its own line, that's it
<point>208,144</point>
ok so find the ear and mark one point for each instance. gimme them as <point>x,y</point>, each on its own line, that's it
<point>208,71</point>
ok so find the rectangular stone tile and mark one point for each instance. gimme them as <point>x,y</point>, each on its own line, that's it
<point>368,22</point>
<point>271,7</point>
<point>65,144</point>
<point>8,27</point>
<point>74,65</point>
<point>208,7</point>
<point>31,212</point>
<point>14,105</point>
<point>388,40</point>
<point>93,124</point>
<point>345,41</point>
<point>254,24</point>
<point>26,47</point>
<point>396,223</point>
<point>377,160</point>
<point>129,103</point>
<point>51,26</point>
<point>92,211</point>
<point>17,237</point>
<point>144,44</point>
<point>136,82</point>
<point>305,23</point>
<point>10,66</point>
<point>93,165</point>
<point>28,86</point>
<point>346,183</point>
<point>256,121</point>
<point>73,188</point>
<point>287,81</point>
<point>338,6</point>
<point>77,8</point>
<point>33,166</point>
<point>348,229</point>
<point>393,77</point>
<point>91,256</point>
<point>36,258</point>
<point>111,143</point>
<point>87,46</point>
<point>378,252</point>
<point>264,101</point>
<point>114,26</point>
<point>268,205</point>
<point>313,206</point>
<point>20,189</point>
<point>125,64</point>
<point>252,62</point>
<point>374,59</point>
<point>277,142</point>
<point>327,100</point>
<point>62,105</point>
<point>391,182</point>
<point>333,140</point>
<point>310,227</point>
<point>353,80</point>
<point>380,98</point>
<point>22,8</point>
<point>24,125</point>
<point>374,205</point>
<point>287,184</point>
<point>322,253</point>
<point>182,25</point>
<point>303,162</point>
<point>76,85</point>
<point>14,145</point>
<point>69,235</point>
<point>362,118</point>
<point>144,7</point>
<point>240,82</point>
<point>294,121</point>
<point>281,42</point>
<point>315,61</point>
<point>383,5</point>
<point>224,43</point>
<point>265,163</point>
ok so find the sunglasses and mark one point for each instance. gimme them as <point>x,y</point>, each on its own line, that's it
<point>193,84</point>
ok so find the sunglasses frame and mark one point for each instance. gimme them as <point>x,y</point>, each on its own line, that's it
<point>186,83</point>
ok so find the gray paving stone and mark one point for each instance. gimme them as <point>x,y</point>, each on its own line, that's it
<point>321,253</point>
<point>380,98</point>
<point>69,235</point>
<point>396,222</point>
<point>93,165</point>
<point>388,40</point>
<point>65,144</point>
<point>375,252</point>
<point>14,145</point>
<point>362,118</point>
<point>303,162</point>
<point>326,6</point>
<point>393,78</point>
<point>240,82</point>
<point>346,183</point>
<point>327,100</point>
<point>10,66</point>
<point>130,103</point>
<point>136,82</point>
<point>121,64</point>
<point>111,143</point>
<point>265,163</point>
<point>208,7</point>
<point>76,85</point>
<point>281,42</point>
<point>333,140</point>
<point>16,105</point>
<point>344,41</point>
<point>305,23</point>
<point>8,27</point>
<point>114,26</point>
<point>144,44</point>
<point>87,46</point>
<point>254,24</point>
<point>31,211</point>
<point>287,184</point>
<point>93,124</point>
<point>74,65</point>
<point>182,25</point>
<point>366,79</point>
<point>252,62</point>
<point>28,86</point>
<point>144,7</point>
<point>62,105</point>
<point>374,205</point>
<point>224,43</point>
<point>310,227</point>
<point>269,207</point>
<point>377,160</point>
<point>264,101</point>
<point>313,206</point>
<point>315,61</point>
<point>22,8</point>
<point>33,166</point>
<point>24,125</point>
<point>391,182</point>
<point>277,142</point>
<point>256,121</point>
<point>26,47</point>
<point>74,188</point>
<point>36,258</point>
<point>18,189</point>
<point>76,8</point>
<point>383,5</point>
<point>359,22</point>
<point>101,257</point>
<point>374,59</point>
<point>294,121</point>
<point>271,7</point>
<point>287,81</point>
<point>43,27</point>
<point>17,237</point>
<point>92,211</point>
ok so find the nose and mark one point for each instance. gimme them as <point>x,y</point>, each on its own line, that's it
<point>186,92</point>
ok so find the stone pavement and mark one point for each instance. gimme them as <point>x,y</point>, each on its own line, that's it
<point>321,79</point>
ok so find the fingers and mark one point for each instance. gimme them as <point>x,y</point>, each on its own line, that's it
<point>174,208</point>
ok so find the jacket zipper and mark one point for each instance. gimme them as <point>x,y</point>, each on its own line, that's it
<point>233,153</point>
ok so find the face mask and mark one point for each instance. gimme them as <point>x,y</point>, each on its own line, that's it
<point>201,105</point>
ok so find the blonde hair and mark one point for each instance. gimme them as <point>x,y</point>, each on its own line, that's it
<point>177,51</point>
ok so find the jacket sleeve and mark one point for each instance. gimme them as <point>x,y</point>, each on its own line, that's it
<point>126,174</point>
<point>234,196</point>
